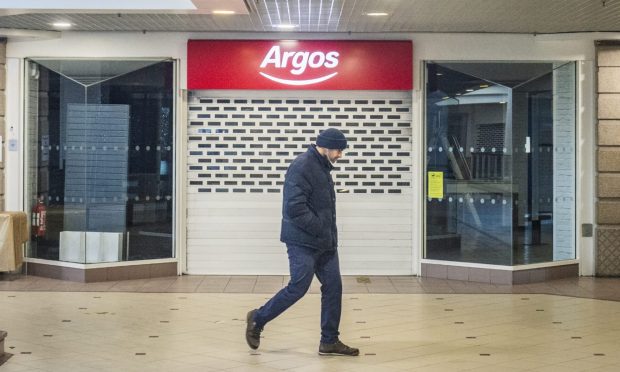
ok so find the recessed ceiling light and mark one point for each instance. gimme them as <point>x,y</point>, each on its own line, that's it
<point>376,14</point>
<point>223,12</point>
<point>439,74</point>
<point>285,26</point>
<point>100,5</point>
<point>470,90</point>
<point>484,85</point>
<point>62,25</point>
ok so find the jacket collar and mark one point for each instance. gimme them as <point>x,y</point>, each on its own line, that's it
<point>322,159</point>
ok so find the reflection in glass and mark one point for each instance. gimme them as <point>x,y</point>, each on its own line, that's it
<point>508,188</point>
<point>100,157</point>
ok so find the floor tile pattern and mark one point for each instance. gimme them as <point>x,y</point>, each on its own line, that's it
<point>399,323</point>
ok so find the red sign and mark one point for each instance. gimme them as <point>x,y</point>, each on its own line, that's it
<point>293,64</point>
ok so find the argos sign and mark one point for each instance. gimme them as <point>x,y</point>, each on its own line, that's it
<point>300,61</point>
<point>289,64</point>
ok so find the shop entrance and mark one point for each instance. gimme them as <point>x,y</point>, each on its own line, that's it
<point>240,144</point>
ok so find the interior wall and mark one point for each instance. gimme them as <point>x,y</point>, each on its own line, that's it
<point>2,113</point>
<point>608,160</point>
<point>435,46</point>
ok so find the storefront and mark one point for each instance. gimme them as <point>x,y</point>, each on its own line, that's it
<point>99,165</point>
<point>247,122</point>
<point>475,167</point>
<point>500,142</point>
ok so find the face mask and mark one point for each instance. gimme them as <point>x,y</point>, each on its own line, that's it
<point>329,160</point>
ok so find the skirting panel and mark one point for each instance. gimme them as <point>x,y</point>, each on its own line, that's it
<point>101,274</point>
<point>497,276</point>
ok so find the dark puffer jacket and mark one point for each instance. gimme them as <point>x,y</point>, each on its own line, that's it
<point>309,203</point>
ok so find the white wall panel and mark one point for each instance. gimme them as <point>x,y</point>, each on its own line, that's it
<point>564,154</point>
<point>239,148</point>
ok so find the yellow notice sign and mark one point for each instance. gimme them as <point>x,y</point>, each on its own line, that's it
<point>435,185</point>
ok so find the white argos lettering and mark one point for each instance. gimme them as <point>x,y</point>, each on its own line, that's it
<point>300,61</point>
<point>332,59</point>
<point>273,56</point>
<point>313,62</point>
<point>285,58</point>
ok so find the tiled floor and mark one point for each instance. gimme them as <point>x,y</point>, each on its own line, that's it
<point>586,287</point>
<point>399,323</point>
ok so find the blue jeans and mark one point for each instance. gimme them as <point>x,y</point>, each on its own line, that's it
<point>303,264</point>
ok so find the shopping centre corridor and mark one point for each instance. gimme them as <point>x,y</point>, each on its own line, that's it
<point>197,323</point>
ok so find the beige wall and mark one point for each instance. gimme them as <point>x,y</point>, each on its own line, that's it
<point>608,160</point>
<point>2,113</point>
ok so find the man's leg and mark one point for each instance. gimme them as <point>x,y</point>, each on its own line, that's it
<point>301,266</point>
<point>328,273</point>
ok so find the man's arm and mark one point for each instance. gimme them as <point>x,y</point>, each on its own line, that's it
<point>297,207</point>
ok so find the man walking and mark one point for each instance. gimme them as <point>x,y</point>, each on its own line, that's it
<point>309,231</point>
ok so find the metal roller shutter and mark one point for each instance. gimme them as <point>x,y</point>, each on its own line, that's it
<point>239,147</point>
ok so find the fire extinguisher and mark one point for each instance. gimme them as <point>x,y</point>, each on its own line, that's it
<point>39,218</point>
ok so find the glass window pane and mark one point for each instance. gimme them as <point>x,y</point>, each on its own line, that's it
<point>492,133</point>
<point>100,159</point>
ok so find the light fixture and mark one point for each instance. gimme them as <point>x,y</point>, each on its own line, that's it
<point>126,6</point>
<point>439,74</point>
<point>470,90</point>
<point>377,14</point>
<point>285,26</point>
<point>484,85</point>
<point>100,5</point>
<point>62,25</point>
<point>502,102</point>
<point>223,12</point>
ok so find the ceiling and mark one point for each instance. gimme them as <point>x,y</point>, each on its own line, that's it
<point>485,16</point>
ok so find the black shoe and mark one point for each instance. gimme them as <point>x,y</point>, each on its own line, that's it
<point>252,332</point>
<point>337,349</point>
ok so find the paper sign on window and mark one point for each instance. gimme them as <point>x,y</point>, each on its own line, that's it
<point>435,185</point>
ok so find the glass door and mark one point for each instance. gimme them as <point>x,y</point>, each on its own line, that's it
<point>533,167</point>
